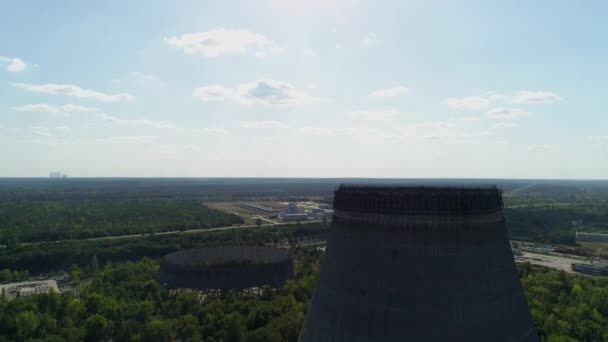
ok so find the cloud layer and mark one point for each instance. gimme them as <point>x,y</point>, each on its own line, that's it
<point>47,108</point>
<point>388,92</point>
<point>73,91</point>
<point>260,92</point>
<point>221,41</point>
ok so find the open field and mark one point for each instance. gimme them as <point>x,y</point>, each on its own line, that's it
<point>596,247</point>
<point>233,208</point>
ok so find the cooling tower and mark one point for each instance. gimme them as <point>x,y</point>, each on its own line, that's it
<point>225,268</point>
<point>418,264</point>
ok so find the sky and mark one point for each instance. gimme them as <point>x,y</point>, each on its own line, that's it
<point>317,88</point>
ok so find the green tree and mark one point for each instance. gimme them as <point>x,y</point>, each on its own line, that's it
<point>258,222</point>
<point>158,331</point>
<point>26,323</point>
<point>94,266</point>
<point>97,328</point>
<point>75,273</point>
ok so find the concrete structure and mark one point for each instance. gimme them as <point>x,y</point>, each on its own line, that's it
<point>29,288</point>
<point>292,208</point>
<point>418,264</point>
<point>295,217</point>
<point>34,290</point>
<point>596,269</point>
<point>591,237</point>
<point>225,268</point>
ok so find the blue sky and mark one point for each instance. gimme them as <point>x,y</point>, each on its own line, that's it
<point>344,88</point>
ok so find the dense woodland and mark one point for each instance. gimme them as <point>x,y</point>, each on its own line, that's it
<point>120,300</point>
<point>125,303</point>
<point>58,256</point>
<point>566,307</point>
<point>28,221</point>
<point>553,224</point>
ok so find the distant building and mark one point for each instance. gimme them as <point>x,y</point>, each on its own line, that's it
<point>37,289</point>
<point>595,269</point>
<point>292,208</point>
<point>295,217</point>
<point>591,237</point>
<point>55,174</point>
<point>29,288</point>
<point>577,223</point>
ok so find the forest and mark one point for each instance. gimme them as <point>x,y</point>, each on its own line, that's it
<point>124,302</point>
<point>553,224</point>
<point>60,256</point>
<point>29,221</point>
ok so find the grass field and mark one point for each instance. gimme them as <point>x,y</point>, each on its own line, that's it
<point>595,247</point>
<point>232,207</point>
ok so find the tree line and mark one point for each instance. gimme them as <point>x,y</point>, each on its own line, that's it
<point>29,221</point>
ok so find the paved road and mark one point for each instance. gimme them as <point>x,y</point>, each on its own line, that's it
<point>552,261</point>
<point>189,231</point>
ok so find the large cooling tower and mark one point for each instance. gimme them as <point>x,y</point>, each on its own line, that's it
<point>418,264</point>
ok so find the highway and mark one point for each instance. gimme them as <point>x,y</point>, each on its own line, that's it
<point>188,231</point>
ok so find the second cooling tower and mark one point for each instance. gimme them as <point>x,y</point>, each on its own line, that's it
<point>418,264</point>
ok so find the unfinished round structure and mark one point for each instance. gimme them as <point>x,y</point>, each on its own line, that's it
<point>225,268</point>
<point>418,264</point>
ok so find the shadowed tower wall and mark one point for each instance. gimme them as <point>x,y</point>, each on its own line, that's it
<point>418,264</point>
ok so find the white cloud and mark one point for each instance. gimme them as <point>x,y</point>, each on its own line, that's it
<point>374,115</point>
<point>524,97</point>
<point>138,122</point>
<point>266,124</point>
<point>146,79</point>
<point>39,107</point>
<point>14,64</point>
<point>74,91</point>
<point>388,92</point>
<point>260,92</point>
<point>315,130</point>
<point>309,52</point>
<point>128,140</point>
<point>46,108</point>
<point>535,97</point>
<point>48,132</point>
<point>366,134</point>
<point>166,125</point>
<point>432,130</point>
<point>502,113</point>
<point>210,130</point>
<point>504,125</point>
<point>41,131</point>
<point>221,41</point>
<point>598,140</point>
<point>473,103</point>
<point>541,147</point>
<point>63,129</point>
<point>78,109</point>
<point>368,40</point>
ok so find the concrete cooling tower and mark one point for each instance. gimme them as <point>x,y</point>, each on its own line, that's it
<point>418,264</point>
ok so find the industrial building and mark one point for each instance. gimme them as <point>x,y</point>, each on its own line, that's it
<point>596,269</point>
<point>29,288</point>
<point>418,264</point>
